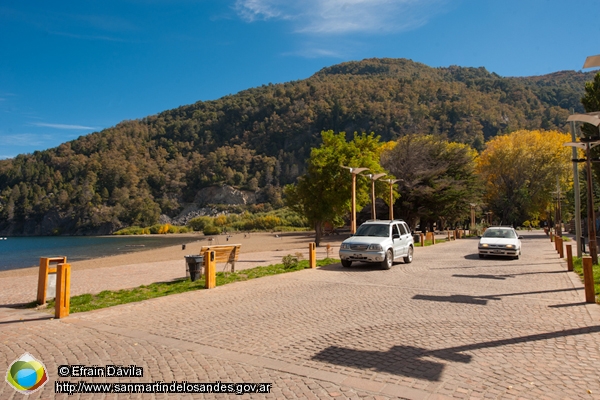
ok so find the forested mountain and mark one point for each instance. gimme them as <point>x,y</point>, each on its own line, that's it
<point>259,139</point>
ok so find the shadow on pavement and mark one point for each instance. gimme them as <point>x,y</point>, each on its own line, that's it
<point>355,267</point>
<point>480,300</point>
<point>504,276</point>
<point>49,317</point>
<point>408,360</point>
<point>583,303</point>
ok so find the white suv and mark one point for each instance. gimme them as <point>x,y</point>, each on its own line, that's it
<point>379,241</point>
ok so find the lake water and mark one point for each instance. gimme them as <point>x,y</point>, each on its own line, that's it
<point>23,252</point>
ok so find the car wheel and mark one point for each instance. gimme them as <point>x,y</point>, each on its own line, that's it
<point>481,256</point>
<point>388,260</point>
<point>346,263</point>
<point>409,256</point>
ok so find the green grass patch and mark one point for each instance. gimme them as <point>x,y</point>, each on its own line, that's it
<point>108,298</point>
<point>430,243</point>
<point>578,268</point>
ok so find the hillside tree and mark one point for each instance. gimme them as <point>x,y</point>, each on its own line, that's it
<point>521,171</point>
<point>438,179</point>
<point>323,194</point>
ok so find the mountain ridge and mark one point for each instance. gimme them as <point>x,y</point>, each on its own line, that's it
<point>259,139</point>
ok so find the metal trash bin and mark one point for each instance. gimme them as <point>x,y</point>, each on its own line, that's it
<point>194,265</point>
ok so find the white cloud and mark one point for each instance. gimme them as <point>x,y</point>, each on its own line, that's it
<point>343,16</point>
<point>64,126</point>
<point>24,139</point>
<point>315,53</point>
<point>252,10</point>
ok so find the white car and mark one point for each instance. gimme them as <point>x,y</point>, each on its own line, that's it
<point>500,241</point>
<point>379,241</point>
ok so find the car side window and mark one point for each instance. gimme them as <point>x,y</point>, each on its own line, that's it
<point>395,230</point>
<point>403,230</point>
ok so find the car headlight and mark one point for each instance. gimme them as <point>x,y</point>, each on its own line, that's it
<point>375,247</point>
<point>483,245</point>
<point>345,246</point>
<point>510,246</point>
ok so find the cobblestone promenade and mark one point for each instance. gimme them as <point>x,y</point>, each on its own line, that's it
<point>449,325</point>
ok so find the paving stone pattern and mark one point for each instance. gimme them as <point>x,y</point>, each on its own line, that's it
<point>449,325</point>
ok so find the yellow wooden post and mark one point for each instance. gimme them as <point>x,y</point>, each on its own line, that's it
<point>312,255</point>
<point>449,235</point>
<point>588,279</point>
<point>210,269</point>
<point>63,290</point>
<point>45,269</point>
<point>569,258</point>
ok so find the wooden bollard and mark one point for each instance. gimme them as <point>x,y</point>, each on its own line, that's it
<point>561,250</point>
<point>210,270</point>
<point>588,279</point>
<point>422,237</point>
<point>569,258</point>
<point>312,255</point>
<point>551,237</point>
<point>45,269</point>
<point>63,290</point>
<point>449,236</point>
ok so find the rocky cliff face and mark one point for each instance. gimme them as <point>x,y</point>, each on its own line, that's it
<point>211,195</point>
<point>224,195</point>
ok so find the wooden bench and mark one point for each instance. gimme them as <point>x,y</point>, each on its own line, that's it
<point>227,254</point>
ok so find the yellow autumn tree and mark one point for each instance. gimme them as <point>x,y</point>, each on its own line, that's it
<point>521,171</point>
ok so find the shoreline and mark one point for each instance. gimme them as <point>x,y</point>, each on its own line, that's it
<point>251,243</point>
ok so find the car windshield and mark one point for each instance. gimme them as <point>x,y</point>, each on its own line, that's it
<point>500,233</point>
<point>379,230</point>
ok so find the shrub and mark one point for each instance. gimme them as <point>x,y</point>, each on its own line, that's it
<point>212,230</point>
<point>289,261</point>
<point>199,223</point>
<point>132,230</point>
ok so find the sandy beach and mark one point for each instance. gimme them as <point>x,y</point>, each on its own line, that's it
<point>251,243</point>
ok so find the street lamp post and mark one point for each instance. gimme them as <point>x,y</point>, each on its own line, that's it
<point>373,178</point>
<point>576,190</point>
<point>587,145</point>
<point>391,182</point>
<point>354,172</point>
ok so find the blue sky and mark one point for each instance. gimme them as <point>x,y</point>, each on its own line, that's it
<point>69,68</point>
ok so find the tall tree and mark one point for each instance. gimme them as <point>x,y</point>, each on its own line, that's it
<point>323,194</point>
<point>438,179</point>
<point>520,171</point>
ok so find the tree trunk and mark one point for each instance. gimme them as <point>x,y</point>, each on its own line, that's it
<point>318,232</point>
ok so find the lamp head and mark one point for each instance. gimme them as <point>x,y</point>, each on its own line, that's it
<point>355,170</point>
